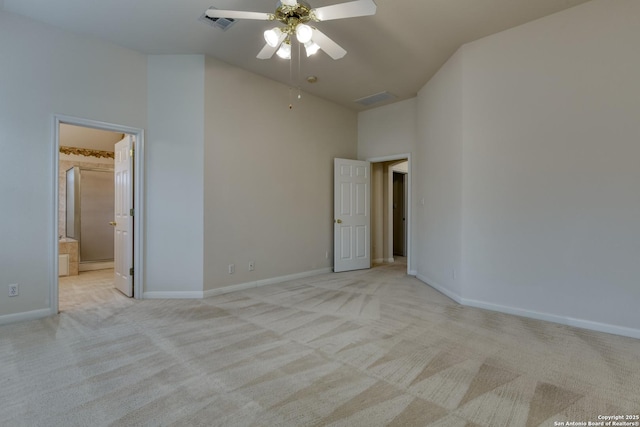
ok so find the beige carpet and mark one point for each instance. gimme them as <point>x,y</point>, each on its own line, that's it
<point>366,348</point>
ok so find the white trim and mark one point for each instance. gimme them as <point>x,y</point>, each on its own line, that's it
<point>26,315</point>
<point>139,185</point>
<point>265,282</point>
<point>233,288</point>
<point>229,289</point>
<point>403,156</point>
<point>172,295</point>
<point>95,265</point>
<point>55,238</point>
<point>438,287</point>
<point>568,321</point>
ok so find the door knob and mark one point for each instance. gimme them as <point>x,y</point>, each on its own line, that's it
<point>112,223</point>
<point>339,221</point>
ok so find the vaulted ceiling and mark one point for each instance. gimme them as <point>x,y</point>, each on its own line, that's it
<point>397,50</point>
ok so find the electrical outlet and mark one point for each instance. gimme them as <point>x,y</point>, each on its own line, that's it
<point>13,290</point>
<point>252,265</point>
<point>232,268</point>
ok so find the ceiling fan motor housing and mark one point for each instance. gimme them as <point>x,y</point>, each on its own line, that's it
<point>291,16</point>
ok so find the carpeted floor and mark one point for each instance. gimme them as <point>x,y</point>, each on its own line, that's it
<point>365,348</point>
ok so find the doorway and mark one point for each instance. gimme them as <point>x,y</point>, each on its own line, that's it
<point>92,158</point>
<point>391,209</point>
<point>399,214</point>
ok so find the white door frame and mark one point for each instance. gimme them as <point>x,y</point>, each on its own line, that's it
<point>138,187</point>
<point>407,156</point>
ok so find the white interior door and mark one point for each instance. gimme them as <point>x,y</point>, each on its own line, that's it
<point>123,221</point>
<point>352,215</point>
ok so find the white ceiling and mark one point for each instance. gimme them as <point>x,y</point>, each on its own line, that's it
<point>397,50</point>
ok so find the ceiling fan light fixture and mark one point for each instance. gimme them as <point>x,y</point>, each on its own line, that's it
<point>285,51</point>
<point>273,36</point>
<point>296,17</point>
<point>304,33</point>
<point>311,48</point>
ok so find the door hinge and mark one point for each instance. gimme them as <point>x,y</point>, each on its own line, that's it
<point>131,271</point>
<point>131,153</point>
<point>132,212</point>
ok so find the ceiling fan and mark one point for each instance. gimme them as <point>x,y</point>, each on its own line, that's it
<point>296,16</point>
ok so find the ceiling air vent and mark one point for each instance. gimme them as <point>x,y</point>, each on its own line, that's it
<point>375,98</point>
<point>222,23</point>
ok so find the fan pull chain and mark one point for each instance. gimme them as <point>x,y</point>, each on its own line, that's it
<point>299,72</point>
<point>290,80</point>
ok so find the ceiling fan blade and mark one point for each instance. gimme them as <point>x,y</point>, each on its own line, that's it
<point>268,51</point>
<point>238,14</point>
<point>350,9</point>
<point>330,47</point>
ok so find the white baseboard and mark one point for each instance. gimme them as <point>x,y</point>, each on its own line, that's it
<point>435,285</point>
<point>27,315</point>
<point>264,282</point>
<point>568,321</point>
<point>231,288</point>
<point>516,311</point>
<point>172,295</point>
<point>97,265</point>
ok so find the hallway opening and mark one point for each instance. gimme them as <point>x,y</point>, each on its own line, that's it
<point>391,209</point>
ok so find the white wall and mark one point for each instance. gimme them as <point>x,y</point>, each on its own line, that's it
<point>385,132</point>
<point>43,72</point>
<point>283,169</point>
<point>439,181</point>
<point>175,176</point>
<point>551,202</point>
<point>268,181</point>
<point>268,177</point>
<point>527,153</point>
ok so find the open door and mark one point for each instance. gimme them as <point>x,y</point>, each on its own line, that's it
<point>123,222</point>
<point>352,215</point>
